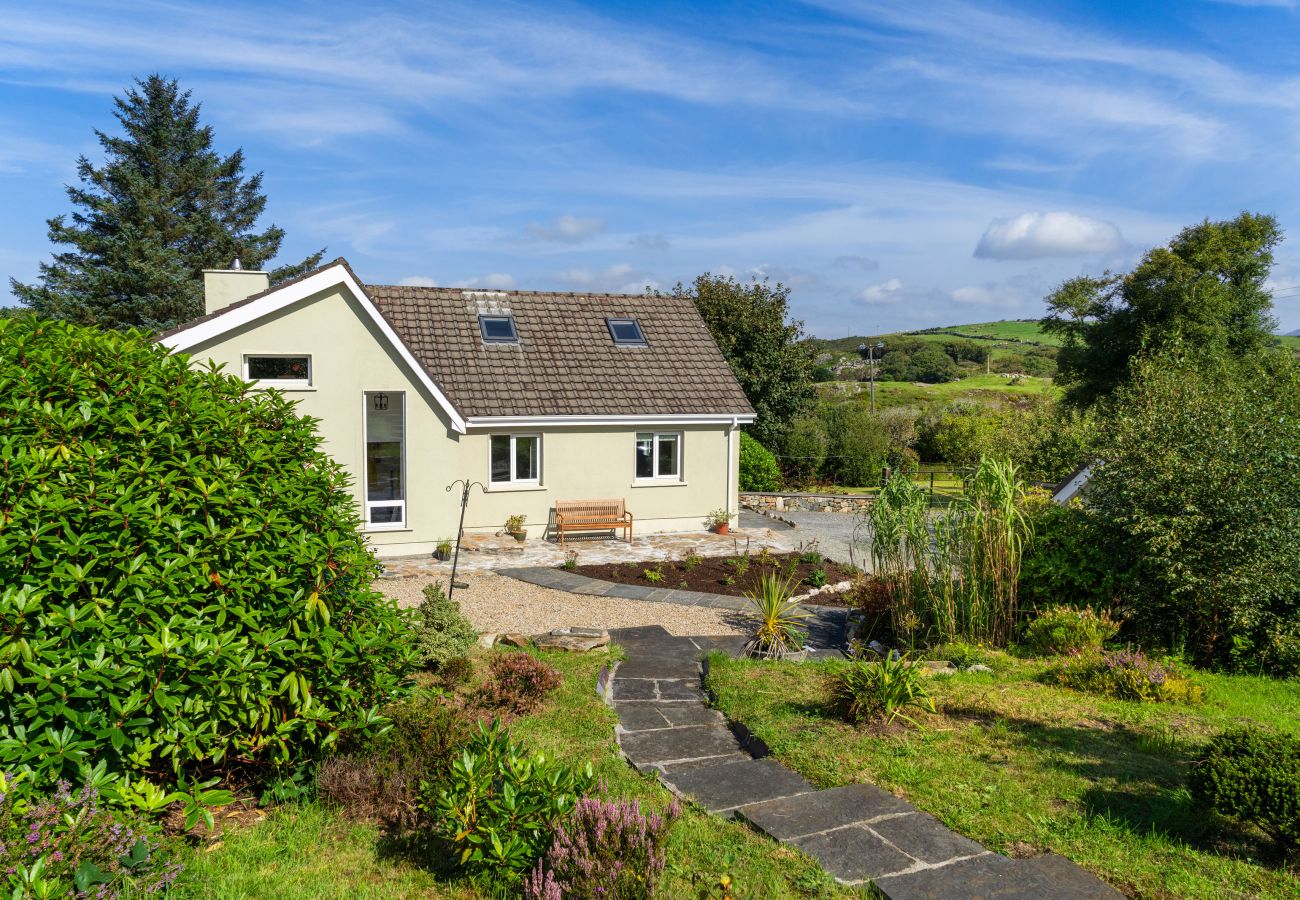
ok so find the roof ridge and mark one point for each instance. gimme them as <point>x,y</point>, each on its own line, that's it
<point>513,292</point>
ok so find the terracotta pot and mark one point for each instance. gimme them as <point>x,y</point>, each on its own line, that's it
<point>722,527</point>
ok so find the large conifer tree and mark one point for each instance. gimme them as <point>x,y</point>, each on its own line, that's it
<point>162,207</point>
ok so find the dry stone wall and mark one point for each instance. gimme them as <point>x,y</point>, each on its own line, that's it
<point>778,503</point>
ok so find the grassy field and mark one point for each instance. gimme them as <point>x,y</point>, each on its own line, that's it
<point>1024,767</point>
<point>995,389</point>
<point>312,851</point>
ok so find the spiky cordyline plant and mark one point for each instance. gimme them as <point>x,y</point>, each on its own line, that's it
<point>778,633</point>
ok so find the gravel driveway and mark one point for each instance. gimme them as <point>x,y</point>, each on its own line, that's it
<point>495,603</point>
<point>832,531</point>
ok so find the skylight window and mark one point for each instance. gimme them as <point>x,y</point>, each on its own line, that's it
<point>626,332</point>
<point>498,329</point>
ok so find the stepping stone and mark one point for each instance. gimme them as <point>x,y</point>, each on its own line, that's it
<point>668,745</point>
<point>674,691</point>
<point>854,854</point>
<point>987,877</point>
<point>647,716</point>
<point>926,838</point>
<point>728,785</point>
<point>805,814</point>
<point>1067,880</point>
<point>688,666</point>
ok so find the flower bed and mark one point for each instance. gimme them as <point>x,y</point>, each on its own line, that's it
<point>731,575</point>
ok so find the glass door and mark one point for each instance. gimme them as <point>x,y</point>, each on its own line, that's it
<point>385,459</point>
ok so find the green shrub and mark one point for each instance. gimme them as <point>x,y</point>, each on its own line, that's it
<point>692,562</point>
<point>1065,629</point>
<point>184,583</point>
<point>810,557</point>
<point>380,779</point>
<point>570,560</point>
<point>816,578</point>
<point>1253,776</point>
<point>758,468</point>
<point>440,632</point>
<point>1124,675</point>
<point>1068,558</point>
<point>856,446</point>
<point>960,654</point>
<point>803,450</point>
<point>500,805</point>
<point>880,690</point>
<point>518,683</point>
<point>1199,499</point>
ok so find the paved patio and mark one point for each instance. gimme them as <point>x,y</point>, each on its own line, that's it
<point>487,551</point>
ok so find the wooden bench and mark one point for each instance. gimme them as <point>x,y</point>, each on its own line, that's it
<point>592,515</point>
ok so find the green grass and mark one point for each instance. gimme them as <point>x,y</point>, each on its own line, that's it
<point>1011,330</point>
<point>311,851</point>
<point>1026,767</point>
<point>992,389</point>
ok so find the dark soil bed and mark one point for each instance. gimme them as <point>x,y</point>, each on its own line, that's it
<point>711,575</point>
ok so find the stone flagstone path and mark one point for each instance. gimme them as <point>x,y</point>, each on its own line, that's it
<point>859,833</point>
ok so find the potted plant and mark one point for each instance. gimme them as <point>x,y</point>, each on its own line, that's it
<point>720,519</point>
<point>515,527</point>
<point>444,550</point>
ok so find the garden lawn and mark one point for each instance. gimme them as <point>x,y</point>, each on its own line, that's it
<point>1024,767</point>
<point>994,390</point>
<point>312,851</point>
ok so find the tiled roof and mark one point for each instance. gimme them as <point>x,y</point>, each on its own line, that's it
<point>565,363</point>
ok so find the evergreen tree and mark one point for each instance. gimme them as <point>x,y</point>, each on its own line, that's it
<point>162,207</point>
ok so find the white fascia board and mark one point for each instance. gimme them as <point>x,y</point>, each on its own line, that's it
<point>293,293</point>
<point>482,422</point>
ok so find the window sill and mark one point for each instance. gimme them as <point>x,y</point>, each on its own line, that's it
<point>514,488</point>
<point>386,529</point>
<point>658,482</point>
<point>284,388</point>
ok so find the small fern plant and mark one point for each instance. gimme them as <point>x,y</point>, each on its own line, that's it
<point>880,690</point>
<point>779,617</point>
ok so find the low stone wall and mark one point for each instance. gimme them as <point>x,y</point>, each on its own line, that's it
<point>839,503</point>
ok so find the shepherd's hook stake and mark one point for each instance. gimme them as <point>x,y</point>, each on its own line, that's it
<point>464,502</point>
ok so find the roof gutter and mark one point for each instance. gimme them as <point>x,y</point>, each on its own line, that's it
<point>730,419</point>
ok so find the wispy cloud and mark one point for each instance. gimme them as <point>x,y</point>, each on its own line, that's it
<point>566,229</point>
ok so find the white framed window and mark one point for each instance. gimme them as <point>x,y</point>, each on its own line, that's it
<point>278,369</point>
<point>515,460</point>
<point>385,438</point>
<point>659,455</point>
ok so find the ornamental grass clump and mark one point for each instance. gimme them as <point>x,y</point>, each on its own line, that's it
<point>1124,675</point>
<point>953,577</point>
<point>880,690</point>
<point>605,848</point>
<point>778,634</point>
<point>179,551</point>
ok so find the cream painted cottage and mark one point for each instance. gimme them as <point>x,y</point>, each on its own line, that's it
<point>541,397</point>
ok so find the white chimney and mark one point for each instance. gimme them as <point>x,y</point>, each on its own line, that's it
<point>222,287</point>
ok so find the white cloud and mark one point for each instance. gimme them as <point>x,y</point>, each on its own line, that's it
<point>496,281</point>
<point>975,295</point>
<point>884,292</point>
<point>418,281</point>
<point>566,230</point>
<point>651,241</point>
<point>1035,235</point>
<point>620,277</point>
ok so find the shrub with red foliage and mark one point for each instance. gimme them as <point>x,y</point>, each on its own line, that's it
<point>518,683</point>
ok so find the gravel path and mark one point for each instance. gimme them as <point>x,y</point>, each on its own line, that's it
<point>832,531</point>
<point>495,603</point>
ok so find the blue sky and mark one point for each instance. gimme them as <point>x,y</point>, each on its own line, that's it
<point>898,165</point>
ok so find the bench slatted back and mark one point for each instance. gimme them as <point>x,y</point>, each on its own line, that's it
<point>596,510</point>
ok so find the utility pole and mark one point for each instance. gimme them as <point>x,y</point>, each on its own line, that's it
<point>871,368</point>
